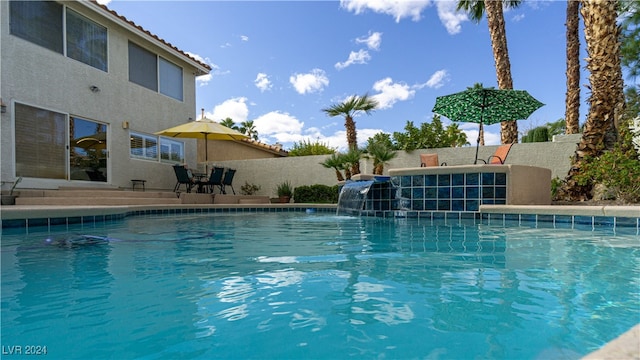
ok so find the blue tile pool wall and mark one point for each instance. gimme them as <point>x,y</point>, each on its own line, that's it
<point>450,192</point>
<point>381,197</point>
<point>622,225</point>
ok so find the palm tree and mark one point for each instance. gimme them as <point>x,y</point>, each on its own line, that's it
<point>572,100</point>
<point>336,162</point>
<point>381,155</point>
<point>247,128</point>
<point>351,161</point>
<point>349,108</point>
<point>497,32</point>
<point>228,122</point>
<point>606,102</point>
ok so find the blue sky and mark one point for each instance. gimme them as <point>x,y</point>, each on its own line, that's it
<point>279,63</point>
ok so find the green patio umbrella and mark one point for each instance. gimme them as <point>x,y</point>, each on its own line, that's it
<point>486,106</point>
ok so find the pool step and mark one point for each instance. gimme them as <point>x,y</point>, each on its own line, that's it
<point>95,197</point>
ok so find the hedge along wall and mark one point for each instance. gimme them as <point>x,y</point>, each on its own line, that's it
<point>306,170</point>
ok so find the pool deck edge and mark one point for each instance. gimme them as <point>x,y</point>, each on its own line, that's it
<point>624,347</point>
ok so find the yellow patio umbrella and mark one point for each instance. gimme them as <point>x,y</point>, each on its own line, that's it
<point>204,128</point>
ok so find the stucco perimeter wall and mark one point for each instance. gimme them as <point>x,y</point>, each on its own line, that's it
<point>306,170</point>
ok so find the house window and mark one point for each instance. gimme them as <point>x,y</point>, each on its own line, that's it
<point>41,142</point>
<point>148,70</point>
<point>86,41</point>
<point>143,69</point>
<point>171,151</point>
<point>170,79</point>
<point>41,22</point>
<point>144,146</point>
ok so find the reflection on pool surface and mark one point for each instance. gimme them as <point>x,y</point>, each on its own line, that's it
<point>297,285</point>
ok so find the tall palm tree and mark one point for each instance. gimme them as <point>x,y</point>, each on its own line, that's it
<point>349,108</point>
<point>228,122</point>
<point>247,128</point>
<point>606,102</point>
<point>497,32</point>
<point>572,99</point>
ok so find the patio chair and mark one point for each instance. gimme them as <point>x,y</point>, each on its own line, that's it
<point>215,179</point>
<point>228,180</point>
<point>499,156</point>
<point>427,160</point>
<point>182,177</point>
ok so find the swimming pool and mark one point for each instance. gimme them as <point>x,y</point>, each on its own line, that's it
<point>298,285</point>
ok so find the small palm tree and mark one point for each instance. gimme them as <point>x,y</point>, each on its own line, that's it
<point>228,122</point>
<point>381,155</point>
<point>336,162</point>
<point>352,161</point>
<point>349,108</point>
<point>247,128</point>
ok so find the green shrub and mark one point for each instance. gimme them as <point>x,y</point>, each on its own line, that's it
<point>321,194</point>
<point>249,189</point>
<point>617,169</point>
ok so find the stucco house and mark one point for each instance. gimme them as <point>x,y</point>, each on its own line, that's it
<point>83,90</point>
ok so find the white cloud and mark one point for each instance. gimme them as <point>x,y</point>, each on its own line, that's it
<point>471,129</point>
<point>278,126</point>
<point>262,82</point>
<point>311,82</point>
<point>235,109</point>
<point>203,80</point>
<point>450,18</point>
<point>517,17</point>
<point>390,92</point>
<point>397,9</point>
<point>436,80</point>
<point>360,57</point>
<point>244,38</point>
<point>373,41</point>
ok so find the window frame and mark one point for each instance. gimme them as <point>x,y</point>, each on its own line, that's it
<point>171,143</point>
<point>96,58</point>
<point>168,76</point>
<point>54,35</point>
<point>146,153</point>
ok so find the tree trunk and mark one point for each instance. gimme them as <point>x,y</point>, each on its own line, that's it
<point>350,127</point>
<point>339,175</point>
<point>572,100</point>
<point>495,19</point>
<point>606,102</point>
<point>481,134</point>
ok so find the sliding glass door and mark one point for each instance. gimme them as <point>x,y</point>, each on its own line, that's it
<point>52,145</point>
<point>87,150</point>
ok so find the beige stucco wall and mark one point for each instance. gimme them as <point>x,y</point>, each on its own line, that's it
<point>306,170</point>
<point>42,78</point>
<point>220,150</point>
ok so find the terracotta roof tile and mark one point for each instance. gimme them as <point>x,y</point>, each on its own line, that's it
<point>273,148</point>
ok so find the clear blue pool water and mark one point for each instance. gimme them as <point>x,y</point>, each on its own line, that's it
<point>300,286</point>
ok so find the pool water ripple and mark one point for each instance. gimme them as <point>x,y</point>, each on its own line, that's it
<point>296,285</point>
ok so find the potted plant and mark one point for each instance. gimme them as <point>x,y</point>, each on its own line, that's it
<point>285,191</point>
<point>11,199</point>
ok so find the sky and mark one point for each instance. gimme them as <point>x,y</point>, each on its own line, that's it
<point>279,63</point>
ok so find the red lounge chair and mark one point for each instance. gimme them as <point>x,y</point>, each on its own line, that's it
<point>499,156</point>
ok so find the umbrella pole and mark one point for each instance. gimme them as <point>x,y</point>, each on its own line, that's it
<point>206,154</point>
<point>478,141</point>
